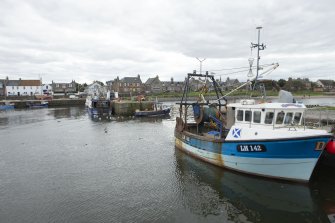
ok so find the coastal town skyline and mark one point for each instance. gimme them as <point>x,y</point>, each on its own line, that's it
<point>86,41</point>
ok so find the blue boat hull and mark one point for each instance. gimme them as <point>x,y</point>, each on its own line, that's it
<point>6,107</point>
<point>39,106</point>
<point>98,113</point>
<point>290,159</point>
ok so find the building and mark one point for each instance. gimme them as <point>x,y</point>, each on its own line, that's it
<point>325,85</point>
<point>126,85</point>
<point>3,87</point>
<point>230,84</point>
<point>153,85</point>
<point>23,87</point>
<point>64,88</point>
<point>47,89</point>
<point>173,86</point>
<point>95,89</point>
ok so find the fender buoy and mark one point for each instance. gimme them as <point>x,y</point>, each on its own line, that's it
<point>330,147</point>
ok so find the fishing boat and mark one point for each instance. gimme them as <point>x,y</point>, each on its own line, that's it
<point>158,110</point>
<point>98,107</point>
<point>260,138</point>
<point>266,139</point>
<point>4,106</point>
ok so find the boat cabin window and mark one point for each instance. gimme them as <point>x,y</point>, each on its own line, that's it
<point>297,117</point>
<point>269,118</point>
<point>257,117</point>
<point>247,117</point>
<point>288,118</point>
<point>280,117</point>
<point>239,116</point>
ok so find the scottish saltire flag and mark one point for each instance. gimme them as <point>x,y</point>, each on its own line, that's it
<point>236,133</point>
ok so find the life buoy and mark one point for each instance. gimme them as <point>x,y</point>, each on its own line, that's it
<point>330,147</point>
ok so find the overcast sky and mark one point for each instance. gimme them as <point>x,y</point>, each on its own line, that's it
<point>64,40</point>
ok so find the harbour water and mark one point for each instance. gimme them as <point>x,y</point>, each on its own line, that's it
<point>58,165</point>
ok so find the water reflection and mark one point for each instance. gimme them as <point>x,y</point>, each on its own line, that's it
<point>67,112</point>
<point>323,186</point>
<point>209,190</point>
<point>28,116</point>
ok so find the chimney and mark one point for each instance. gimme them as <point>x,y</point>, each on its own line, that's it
<point>171,80</point>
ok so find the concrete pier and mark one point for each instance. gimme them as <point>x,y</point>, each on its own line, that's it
<point>128,108</point>
<point>53,103</point>
<point>120,108</point>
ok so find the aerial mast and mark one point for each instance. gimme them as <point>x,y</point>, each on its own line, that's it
<point>259,47</point>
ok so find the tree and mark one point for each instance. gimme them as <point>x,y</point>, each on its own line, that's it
<point>81,87</point>
<point>281,83</point>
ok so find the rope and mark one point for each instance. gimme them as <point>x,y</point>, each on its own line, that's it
<point>267,72</point>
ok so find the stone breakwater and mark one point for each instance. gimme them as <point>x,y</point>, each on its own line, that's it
<point>53,103</point>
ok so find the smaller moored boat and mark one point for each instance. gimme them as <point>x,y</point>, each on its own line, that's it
<point>4,106</point>
<point>158,110</point>
<point>40,104</point>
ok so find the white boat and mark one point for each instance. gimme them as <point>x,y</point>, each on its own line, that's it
<point>98,107</point>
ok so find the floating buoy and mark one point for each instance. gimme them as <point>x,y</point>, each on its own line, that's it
<point>330,147</point>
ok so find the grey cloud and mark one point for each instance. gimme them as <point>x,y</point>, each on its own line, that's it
<point>90,40</point>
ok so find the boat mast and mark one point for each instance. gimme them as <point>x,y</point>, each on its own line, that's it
<point>259,47</point>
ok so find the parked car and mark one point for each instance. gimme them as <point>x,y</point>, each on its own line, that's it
<point>73,97</point>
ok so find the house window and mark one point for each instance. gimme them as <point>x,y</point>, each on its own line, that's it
<point>57,85</point>
<point>70,85</point>
<point>12,87</point>
<point>24,87</point>
<point>257,117</point>
<point>239,116</point>
<point>269,118</point>
<point>280,117</point>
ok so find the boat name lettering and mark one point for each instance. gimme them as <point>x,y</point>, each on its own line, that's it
<point>251,148</point>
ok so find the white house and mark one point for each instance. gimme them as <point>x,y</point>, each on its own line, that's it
<point>47,89</point>
<point>23,87</point>
<point>95,89</point>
